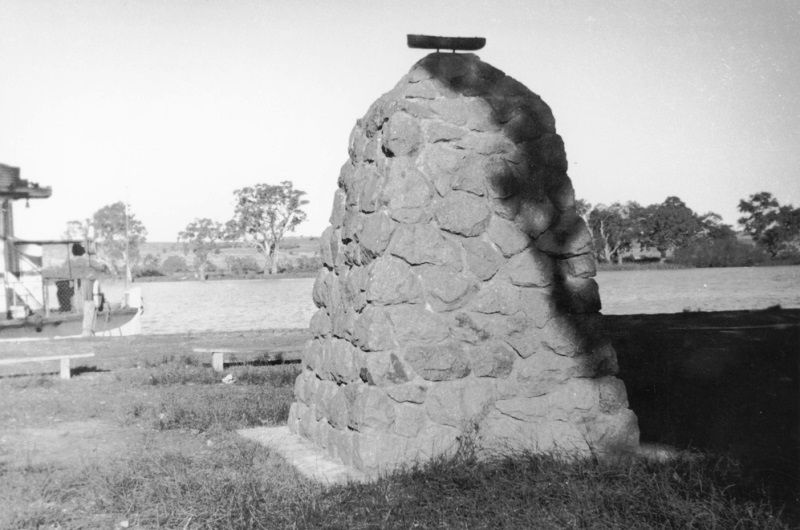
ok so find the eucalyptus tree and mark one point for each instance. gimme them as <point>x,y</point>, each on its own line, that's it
<point>202,238</point>
<point>263,215</point>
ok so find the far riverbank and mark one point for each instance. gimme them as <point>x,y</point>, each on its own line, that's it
<point>231,305</point>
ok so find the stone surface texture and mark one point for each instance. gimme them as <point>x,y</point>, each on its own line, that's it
<point>457,298</point>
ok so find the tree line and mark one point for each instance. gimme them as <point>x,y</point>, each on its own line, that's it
<point>692,238</point>
<point>263,215</point>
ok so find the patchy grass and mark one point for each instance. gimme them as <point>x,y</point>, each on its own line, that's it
<point>235,484</point>
<point>172,460</point>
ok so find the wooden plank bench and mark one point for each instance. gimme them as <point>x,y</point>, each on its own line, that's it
<point>263,354</point>
<point>66,371</point>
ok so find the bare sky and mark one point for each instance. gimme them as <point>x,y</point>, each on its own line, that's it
<point>171,105</point>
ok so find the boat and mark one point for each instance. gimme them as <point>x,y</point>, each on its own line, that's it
<point>33,307</point>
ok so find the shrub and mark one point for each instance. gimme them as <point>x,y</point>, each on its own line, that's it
<point>174,264</point>
<point>728,252</point>
<point>300,264</point>
<point>242,265</point>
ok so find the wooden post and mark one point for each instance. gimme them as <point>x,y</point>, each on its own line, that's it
<point>218,361</point>
<point>65,370</point>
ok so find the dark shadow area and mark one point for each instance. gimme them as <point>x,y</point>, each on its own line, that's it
<point>722,382</point>
<point>74,372</point>
<point>258,362</point>
<point>725,382</point>
<point>78,370</point>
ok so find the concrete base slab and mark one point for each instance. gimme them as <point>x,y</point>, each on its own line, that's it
<point>307,458</point>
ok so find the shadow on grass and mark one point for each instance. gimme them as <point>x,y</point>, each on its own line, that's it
<point>78,370</point>
<point>725,382</point>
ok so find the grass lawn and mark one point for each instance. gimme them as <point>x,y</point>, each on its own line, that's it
<point>147,440</point>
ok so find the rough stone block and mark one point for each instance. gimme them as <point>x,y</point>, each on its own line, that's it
<point>568,237</point>
<point>406,187</point>
<point>354,285</point>
<point>549,150</point>
<point>486,144</point>
<point>507,236</point>
<point>571,335</point>
<point>379,452</point>
<point>613,434</point>
<point>441,164</point>
<point>535,216</point>
<point>402,134</point>
<point>409,419</point>
<point>542,373</point>
<point>340,408</point>
<point>530,268</point>
<point>583,266</point>
<point>444,361</point>
<point>446,288</point>
<point>391,281</point>
<point>412,392</point>
<point>323,395</point>
<point>483,259</point>
<point>312,354</point>
<point>418,244</point>
<point>472,113</point>
<point>371,408</point>
<point>304,386</point>
<point>341,445</point>
<point>321,291</point>
<point>369,198</point>
<point>491,359</point>
<point>345,361</point>
<point>613,396</point>
<point>436,440</point>
<point>563,401</point>
<point>500,434</point>
<point>385,369</point>
<point>461,403</point>
<point>412,215</point>
<point>463,213</point>
<point>438,131</point>
<point>343,323</point>
<point>561,192</point>
<point>320,324</point>
<point>496,296</point>
<point>374,330</point>
<point>577,295</point>
<point>416,324</point>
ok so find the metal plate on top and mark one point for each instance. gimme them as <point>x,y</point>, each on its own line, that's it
<point>432,42</point>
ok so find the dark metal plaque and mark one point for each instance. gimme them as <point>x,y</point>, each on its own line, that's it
<point>432,42</point>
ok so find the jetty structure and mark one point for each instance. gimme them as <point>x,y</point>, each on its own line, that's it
<point>457,302</point>
<point>22,284</point>
<point>32,307</point>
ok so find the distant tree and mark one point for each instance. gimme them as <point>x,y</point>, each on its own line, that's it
<point>202,237</point>
<point>174,264</point>
<point>79,230</point>
<point>668,226</point>
<point>614,229</point>
<point>773,227</point>
<point>583,208</point>
<point>242,265</point>
<point>264,214</point>
<point>117,234</point>
<point>712,227</point>
<point>150,261</point>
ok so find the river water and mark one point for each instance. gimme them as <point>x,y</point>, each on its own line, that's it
<point>238,305</point>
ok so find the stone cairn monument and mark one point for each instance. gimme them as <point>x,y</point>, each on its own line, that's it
<point>456,300</point>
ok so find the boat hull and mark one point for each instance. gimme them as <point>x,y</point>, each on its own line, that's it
<point>119,322</point>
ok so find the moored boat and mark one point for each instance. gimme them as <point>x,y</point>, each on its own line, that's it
<point>34,307</point>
